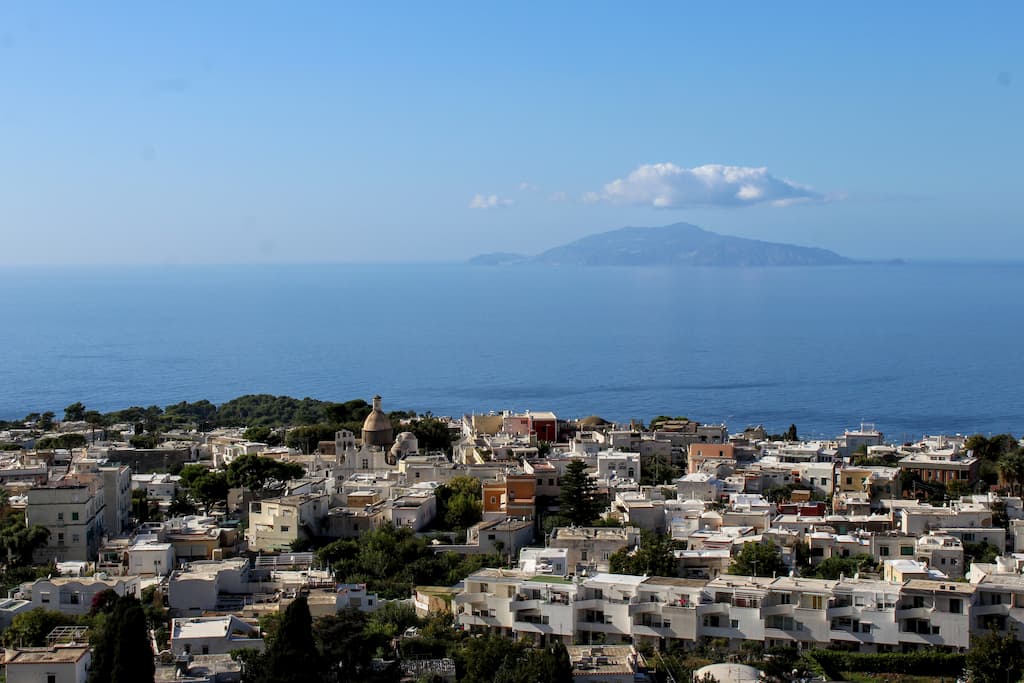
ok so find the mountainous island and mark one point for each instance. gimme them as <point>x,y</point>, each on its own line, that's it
<point>679,244</point>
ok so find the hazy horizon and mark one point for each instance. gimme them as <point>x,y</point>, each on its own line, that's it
<point>195,133</point>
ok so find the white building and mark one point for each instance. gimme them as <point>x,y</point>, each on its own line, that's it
<point>59,664</point>
<point>213,636</point>
<point>74,595</point>
<point>150,558</point>
<point>73,512</point>
<point>276,523</point>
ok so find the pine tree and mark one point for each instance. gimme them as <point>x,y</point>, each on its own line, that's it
<point>579,502</point>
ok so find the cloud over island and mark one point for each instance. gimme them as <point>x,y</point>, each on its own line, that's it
<point>668,186</point>
<point>489,201</point>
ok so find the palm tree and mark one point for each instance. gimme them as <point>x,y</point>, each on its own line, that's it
<point>1011,468</point>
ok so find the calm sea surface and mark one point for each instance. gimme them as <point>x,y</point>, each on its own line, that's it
<point>915,349</point>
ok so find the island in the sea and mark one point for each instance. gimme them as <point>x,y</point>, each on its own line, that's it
<point>679,244</point>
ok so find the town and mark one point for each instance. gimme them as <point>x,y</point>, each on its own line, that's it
<point>272,539</point>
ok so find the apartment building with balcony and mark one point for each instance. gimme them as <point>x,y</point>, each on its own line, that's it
<point>590,548</point>
<point>73,512</point>
<point>864,615</point>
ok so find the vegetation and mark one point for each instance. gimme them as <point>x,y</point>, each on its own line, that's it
<point>654,557</point>
<point>18,542</point>
<point>256,472</point>
<point>391,561</point>
<point>758,559</point>
<point>995,657</point>
<point>788,435</point>
<point>660,419</point>
<point>982,552</point>
<point>458,503</point>
<point>121,649</point>
<point>833,567</point>
<point>67,441</point>
<point>579,503</point>
<point>832,663</point>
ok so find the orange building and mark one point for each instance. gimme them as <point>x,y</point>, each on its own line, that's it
<point>513,496</point>
<point>699,453</point>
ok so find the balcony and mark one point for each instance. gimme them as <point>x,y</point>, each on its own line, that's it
<point>915,613</point>
<point>479,620</point>
<point>981,610</point>
<point>645,608</point>
<point>777,609</point>
<point>592,603</point>
<point>528,603</point>
<point>463,598</point>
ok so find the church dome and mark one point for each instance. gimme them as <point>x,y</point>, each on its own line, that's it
<point>377,430</point>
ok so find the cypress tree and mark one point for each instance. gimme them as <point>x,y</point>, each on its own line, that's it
<point>293,657</point>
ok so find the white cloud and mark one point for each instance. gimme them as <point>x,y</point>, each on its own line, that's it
<point>489,201</point>
<point>558,197</point>
<point>527,187</point>
<point>667,186</point>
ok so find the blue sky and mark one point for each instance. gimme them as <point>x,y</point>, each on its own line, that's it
<point>249,132</point>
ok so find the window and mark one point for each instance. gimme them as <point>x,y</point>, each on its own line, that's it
<point>785,598</point>
<point>906,550</point>
<point>605,555</point>
<point>44,597</point>
<point>884,551</point>
<point>918,601</point>
<point>583,555</point>
<point>60,538</point>
<point>76,538</point>
<point>366,464</point>
<point>849,480</point>
<point>817,602</point>
<point>284,529</point>
<point>493,500</point>
<point>51,678</point>
<point>74,516</point>
<point>955,606</point>
<point>60,516</point>
<point>734,623</point>
<point>206,649</point>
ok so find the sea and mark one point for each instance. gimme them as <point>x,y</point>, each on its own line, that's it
<point>913,349</point>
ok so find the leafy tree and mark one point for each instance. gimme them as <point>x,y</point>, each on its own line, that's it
<point>834,566</point>
<point>68,441</point>
<point>579,502</point>
<point>45,421</point>
<point>264,434</point>
<point>758,559</point>
<point>982,552</point>
<point>306,438</point>
<point>995,658</point>
<point>74,412</point>
<point>19,541</point>
<point>431,434</point>
<point>146,441</point>
<point>991,449</point>
<point>255,472</point>
<point>29,629</point>
<point>654,557</point>
<point>346,648</point>
<point>459,505</point>
<point>791,434</point>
